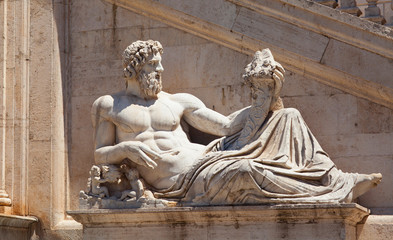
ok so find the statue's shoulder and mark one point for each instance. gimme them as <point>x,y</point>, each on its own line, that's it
<point>187,100</point>
<point>104,104</point>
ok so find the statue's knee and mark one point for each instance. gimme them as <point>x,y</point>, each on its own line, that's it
<point>291,112</point>
<point>244,166</point>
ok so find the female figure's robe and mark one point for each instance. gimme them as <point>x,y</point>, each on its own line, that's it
<point>283,163</point>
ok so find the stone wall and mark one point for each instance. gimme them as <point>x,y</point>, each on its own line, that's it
<point>57,57</point>
<point>356,133</point>
<point>33,154</point>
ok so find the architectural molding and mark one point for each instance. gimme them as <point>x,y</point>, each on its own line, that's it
<point>330,22</point>
<point>319,19</point>
<point>351,212</point>
<point>330,221</point>
<point>4,200</point>
<point>15,103</point>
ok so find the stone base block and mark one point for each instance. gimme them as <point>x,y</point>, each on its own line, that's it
<point>16,227</point>
<point>292,221</point>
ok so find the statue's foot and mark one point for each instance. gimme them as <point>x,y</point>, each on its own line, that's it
<point>364,183</point>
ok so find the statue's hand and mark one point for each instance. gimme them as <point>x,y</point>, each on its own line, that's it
<point>268,73</point>
<point>278,77</point>
<point>140,153</point>
<point>278,72</point>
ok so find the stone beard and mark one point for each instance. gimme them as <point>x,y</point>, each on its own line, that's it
<point>150,83</point>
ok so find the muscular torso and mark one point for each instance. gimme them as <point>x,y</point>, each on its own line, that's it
<point>155,123</point>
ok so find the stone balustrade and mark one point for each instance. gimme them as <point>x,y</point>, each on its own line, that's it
<point>350,6</point>
<point>373,10</point>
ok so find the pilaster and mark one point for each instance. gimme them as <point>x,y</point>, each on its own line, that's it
<point>14,104</point>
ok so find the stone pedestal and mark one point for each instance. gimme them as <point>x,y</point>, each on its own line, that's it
<point>332,221</point>
<point>16,227</point>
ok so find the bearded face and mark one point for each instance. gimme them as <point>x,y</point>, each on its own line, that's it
<point>147,72</point>
<point>150,83</point>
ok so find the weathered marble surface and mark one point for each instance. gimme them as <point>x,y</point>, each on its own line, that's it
<point>297,221</point>
<point>266,154</point>
<point>78,61</point>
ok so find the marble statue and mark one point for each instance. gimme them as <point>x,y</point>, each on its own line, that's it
<point>266,153</point>
<point>137,187</point>
<point>95,181</point>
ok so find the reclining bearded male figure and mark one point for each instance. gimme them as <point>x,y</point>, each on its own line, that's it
<point>266,154</point>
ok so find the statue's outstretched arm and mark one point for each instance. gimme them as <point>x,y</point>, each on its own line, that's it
<point>208,120</point>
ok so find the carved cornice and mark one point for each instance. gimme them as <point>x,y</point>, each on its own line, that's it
<point>336,29</point>
<point>350,213</point>
<point>319,19</point>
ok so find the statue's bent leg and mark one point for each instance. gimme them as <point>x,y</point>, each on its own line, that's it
<point>365,182</point>
<point>285,164</point>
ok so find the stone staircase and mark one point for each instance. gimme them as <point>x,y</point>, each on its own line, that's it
<point>367,9</point>
<point>329,46</point>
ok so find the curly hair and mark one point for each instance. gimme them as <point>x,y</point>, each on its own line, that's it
<point>135,55</point>
<point>261,68</point>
